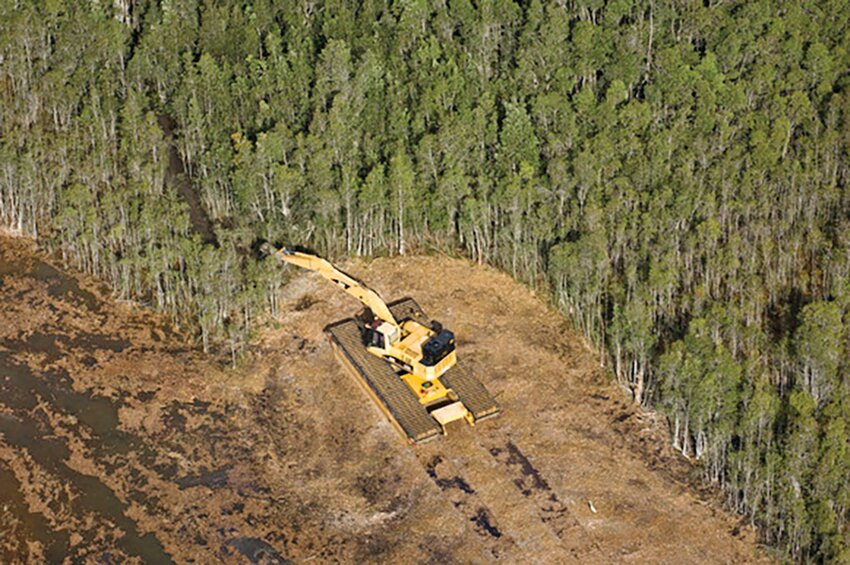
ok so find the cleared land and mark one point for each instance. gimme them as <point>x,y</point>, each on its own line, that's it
<point>118,439</point>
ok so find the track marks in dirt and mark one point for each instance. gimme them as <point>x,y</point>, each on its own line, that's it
<point>508,501</point>
<point>483,521</point>
<point>444,483</point>
<point>466,500</point>
<point>551,510</point>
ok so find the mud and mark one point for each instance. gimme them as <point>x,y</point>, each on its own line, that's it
<point>119,441</point>
<point>176,177</point>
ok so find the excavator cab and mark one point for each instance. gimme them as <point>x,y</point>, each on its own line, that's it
<point>401,358</point>
<point>383,335</point>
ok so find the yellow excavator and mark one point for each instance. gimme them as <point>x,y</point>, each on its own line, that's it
<point>407,363</point>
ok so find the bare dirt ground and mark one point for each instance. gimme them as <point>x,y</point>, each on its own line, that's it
<point>120,442</point>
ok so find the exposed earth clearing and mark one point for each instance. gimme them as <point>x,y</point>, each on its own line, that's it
<point>119,440</point>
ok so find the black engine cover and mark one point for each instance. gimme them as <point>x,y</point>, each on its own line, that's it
<point>437,348</point>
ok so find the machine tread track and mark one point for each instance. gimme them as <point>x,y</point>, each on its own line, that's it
<point>390,393</point>
<point>469,390</point>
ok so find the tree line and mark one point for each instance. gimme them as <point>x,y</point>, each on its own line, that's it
<point>675,172</point>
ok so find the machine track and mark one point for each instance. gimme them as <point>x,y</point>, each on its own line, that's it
<point>507,500</point>
<point>515,511</point>
<point>390,393</point>
<point>467,500</point>
<point>550,508</point>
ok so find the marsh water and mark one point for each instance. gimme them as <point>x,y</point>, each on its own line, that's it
<point>109,449</point>
<point>24,425</point>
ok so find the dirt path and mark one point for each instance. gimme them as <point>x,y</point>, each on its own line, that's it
<point>177,178</point>
<point>119,441</point>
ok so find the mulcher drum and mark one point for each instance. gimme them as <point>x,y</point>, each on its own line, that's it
<point>390,393</point>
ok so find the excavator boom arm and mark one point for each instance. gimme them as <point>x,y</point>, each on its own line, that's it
<point>349,284</point>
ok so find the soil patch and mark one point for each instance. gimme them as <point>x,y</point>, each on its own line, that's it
<point>119,441</point>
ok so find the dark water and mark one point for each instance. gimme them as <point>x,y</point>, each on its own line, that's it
<point>32,524</point>
<point>61,285</point>
<point>257,551</point>
<point>22,391</point>
<point>32,377</point>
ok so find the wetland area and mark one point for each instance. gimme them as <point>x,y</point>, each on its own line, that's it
<point>121,442</point>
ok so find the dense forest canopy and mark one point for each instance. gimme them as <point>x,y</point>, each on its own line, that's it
<point>677,173</point>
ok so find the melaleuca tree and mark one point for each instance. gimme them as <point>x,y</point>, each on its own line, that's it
<point>676,173</point>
